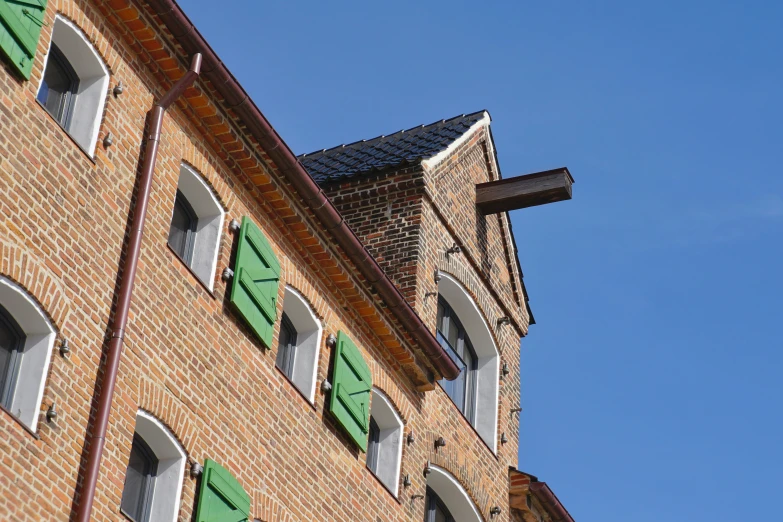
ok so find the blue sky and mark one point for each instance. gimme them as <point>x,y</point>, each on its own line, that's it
<point>652,384</point>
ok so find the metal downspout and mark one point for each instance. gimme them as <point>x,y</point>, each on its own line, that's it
<point>120,321</point>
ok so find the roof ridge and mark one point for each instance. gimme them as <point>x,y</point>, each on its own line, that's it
<point>382,136</point>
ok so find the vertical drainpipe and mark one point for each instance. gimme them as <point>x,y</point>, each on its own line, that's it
<point>104,400</point>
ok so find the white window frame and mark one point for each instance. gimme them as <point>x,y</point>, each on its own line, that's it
<point>167,490</point>
<point>93,75</point>
<point>210,216</point>
<point>389,443</point>
<point>308,341</point>
<point>453,495</point>
<point>487,372</point>
<point>36,353</point>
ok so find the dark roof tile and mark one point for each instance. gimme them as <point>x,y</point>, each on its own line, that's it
<point>400,149</point>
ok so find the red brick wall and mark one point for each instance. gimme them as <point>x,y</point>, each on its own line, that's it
<point>187,359</point>
<point>385,212</point>
<point>485,240</point>
<point>410,218</point>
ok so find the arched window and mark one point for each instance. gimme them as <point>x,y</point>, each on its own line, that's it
<point>384,448</point>
<point>153,479</point>
<point>196,222</point>
<point>447,500</point>
<point>465,336</point>
<point>456,342</point>
<point>74,84</point>
<point>26,341</point>
<point>299,343</point>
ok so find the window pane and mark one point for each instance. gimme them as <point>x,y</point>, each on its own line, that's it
<point>283,349</point>
<point>56,85</point>
<point>180,227</point>
<point>454,330</point>
<point>374,446</point>
<point>134,483</point>
<point>436,511</point>
<point>8,340</point>
<point>286,346</point>
<point>456,388</point>
<point>440,516</point>
<point>138,477</point>
<point>450,351</point>
<point>11,339</point>
<point>468,384</point>
<point>458,391</point>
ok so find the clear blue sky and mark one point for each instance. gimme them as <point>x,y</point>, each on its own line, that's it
<point>652,384</point>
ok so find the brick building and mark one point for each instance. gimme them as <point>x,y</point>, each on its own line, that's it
<point>333,337</point>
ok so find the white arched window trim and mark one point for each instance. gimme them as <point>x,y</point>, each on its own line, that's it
<point>171,466</point>
<point>487,372</point>
<point>308,343</point>
<point>93,81</point>
<point>210,216</point>
<point>40,335</point>
<point>390,440</point>
<point>453,494</point>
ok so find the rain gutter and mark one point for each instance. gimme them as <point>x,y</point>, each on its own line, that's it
<point>294,172</point>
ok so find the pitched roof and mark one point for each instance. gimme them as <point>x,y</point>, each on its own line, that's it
<point>403,148</point>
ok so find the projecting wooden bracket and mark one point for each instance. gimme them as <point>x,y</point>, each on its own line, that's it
<point>524,191</point>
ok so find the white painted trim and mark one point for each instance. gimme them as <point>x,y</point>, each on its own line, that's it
<point>393,480</point>
<point>487,374</point>
<point>432,162</point>
<point>314,327</point>
<point>453,494</point>
<point>37,349</point>
<point>169,452</point>
<point>210,215</point>
<point>93,79</point>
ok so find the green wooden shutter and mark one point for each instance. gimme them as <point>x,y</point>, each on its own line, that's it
<point>256,278</point>
<point>221,498</point>
<point>351,387</point>
<point>20,28</point>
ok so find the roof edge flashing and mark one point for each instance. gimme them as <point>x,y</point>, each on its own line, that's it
<point>434,161</point>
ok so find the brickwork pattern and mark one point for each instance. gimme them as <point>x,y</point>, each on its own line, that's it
<point>385,212</point>
<point>409,219</point>
<point>484,239</point>
<point>187,360</point>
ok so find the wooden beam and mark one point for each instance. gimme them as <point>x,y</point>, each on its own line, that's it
<point>524,191</point>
